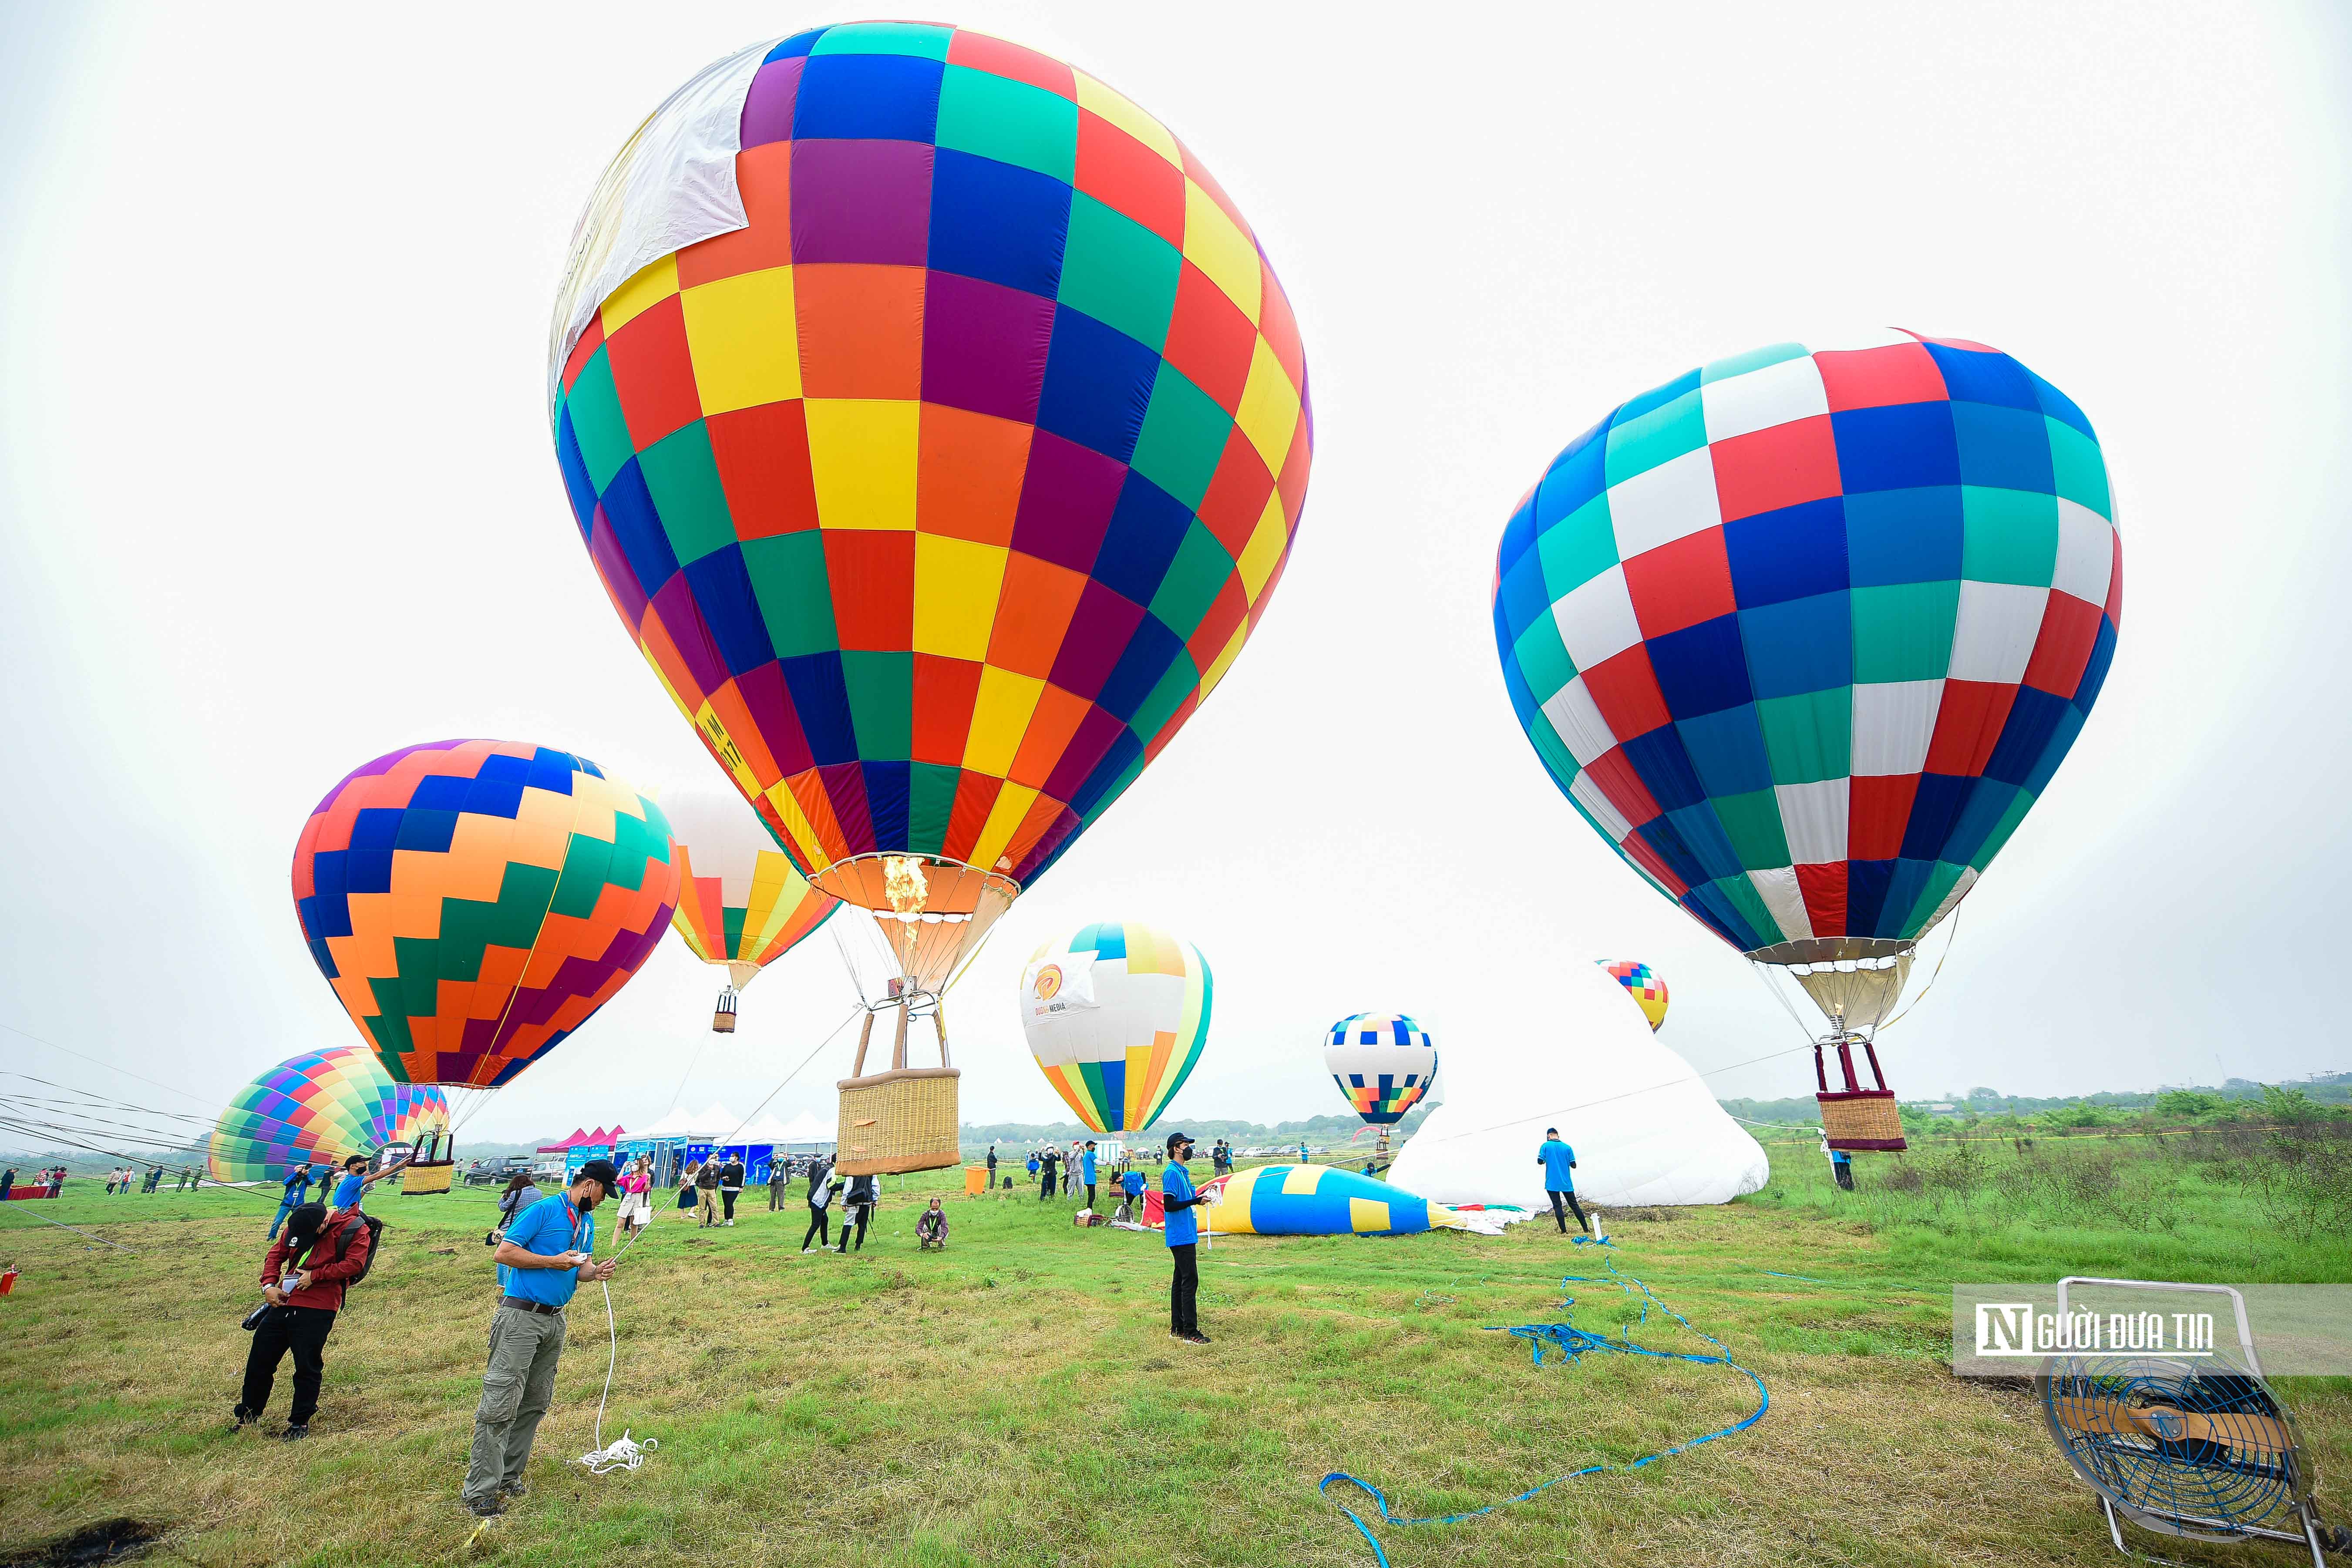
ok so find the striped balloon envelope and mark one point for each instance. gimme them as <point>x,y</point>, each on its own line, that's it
<point>323,1105</point>
<point>741,903</point>
<point>1321,1200</point>
<point>1643,985</point>
<point>1117,1016</point>
<point>1383,1062</point>
<point>473,902</point>
<point>940,432</point>
<point>1805,632</point>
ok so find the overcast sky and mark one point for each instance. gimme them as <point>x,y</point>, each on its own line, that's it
<point>276,496</point>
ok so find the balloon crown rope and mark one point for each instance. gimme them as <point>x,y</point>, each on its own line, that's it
<point>1572,1343</point>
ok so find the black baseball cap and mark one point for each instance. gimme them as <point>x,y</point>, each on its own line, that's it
<point>602,1172</point>
<point>1176,1137</point>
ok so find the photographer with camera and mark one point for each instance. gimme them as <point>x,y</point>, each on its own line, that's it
<point>302,1282</point>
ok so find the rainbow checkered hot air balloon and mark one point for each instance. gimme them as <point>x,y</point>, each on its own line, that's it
<point>324,1106</point>
<point>473,902</point>
<point>1643,985</point>
<point>741,903</point>
<point>939,431</point>
<point>1383,1062</point>
<point>1117,1016</point>
<point>1804,633</point>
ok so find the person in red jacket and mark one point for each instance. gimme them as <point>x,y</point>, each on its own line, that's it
<point>302,1279</point>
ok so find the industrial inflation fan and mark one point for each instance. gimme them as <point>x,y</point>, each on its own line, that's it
<point>2195,1445</point>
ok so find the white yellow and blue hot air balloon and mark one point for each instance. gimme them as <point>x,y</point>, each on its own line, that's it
<point>1116,1016</point>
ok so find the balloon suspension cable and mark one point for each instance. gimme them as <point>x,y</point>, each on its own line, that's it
<point>1763,973</point>
<point>625,1453</point>
<point>300,1138</point>
<point>687,1076</point>
<point>77,1231</point>
<point>970,959</point>
<point>1951,935</point>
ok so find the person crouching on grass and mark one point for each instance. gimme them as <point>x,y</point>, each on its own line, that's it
<point>302,1279</point>
<point>1179,1199</point>
<point>931,1229</point>
<point>543,1258</point>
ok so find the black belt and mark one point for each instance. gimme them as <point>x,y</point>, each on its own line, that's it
<point>541,1308</point>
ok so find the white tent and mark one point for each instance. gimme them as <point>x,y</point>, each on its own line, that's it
<point>1644,1128</point>
<point>806,1129</point>
<point>764,1129</point>
<point>712,1123</point>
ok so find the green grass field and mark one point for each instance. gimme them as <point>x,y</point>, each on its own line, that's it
<point>1017,1398</point>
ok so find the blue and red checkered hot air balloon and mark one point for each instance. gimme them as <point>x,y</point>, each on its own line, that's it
<point>1383,1062</point>
<point>1804,633</point>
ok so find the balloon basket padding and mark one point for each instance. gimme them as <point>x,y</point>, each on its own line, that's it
<point>434,1177</point>
<point>1862,1120</point>
<point>899,1121</point>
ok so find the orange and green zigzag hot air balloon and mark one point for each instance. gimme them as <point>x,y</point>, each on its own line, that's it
<point>945,470</point>
<point>473,902</point>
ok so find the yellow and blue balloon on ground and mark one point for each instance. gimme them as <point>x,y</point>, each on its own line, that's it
<point>1321,1200</point>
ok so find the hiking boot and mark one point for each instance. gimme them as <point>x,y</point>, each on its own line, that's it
<point>488,1506</point>
<point>295,1432</point>
<point>514,1491</point>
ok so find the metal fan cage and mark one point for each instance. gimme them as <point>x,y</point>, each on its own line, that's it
<point>2200,1447</point>
<point>2185,1448</point>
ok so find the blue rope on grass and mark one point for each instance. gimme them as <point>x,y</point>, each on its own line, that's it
<point>1572,1342</point>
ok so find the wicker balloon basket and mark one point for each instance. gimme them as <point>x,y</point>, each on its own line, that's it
<point>1862,1119</point>
<point>1853,1118</point>
<point>903,1119</point>
<point>434,1177</point>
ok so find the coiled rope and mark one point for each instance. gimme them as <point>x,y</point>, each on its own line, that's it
<point>1572,1342</point>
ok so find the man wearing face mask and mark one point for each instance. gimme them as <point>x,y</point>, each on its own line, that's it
<point>543,1258</point>
<point>1179,1199</point>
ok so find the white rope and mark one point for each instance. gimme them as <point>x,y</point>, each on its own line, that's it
<point>624,1453</point>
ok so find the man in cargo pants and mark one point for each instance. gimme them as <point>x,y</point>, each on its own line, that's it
<point>544,1257</point>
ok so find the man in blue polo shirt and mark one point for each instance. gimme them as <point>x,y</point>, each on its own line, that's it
<point>1558,1160</point>
<point>1086,1171</point>
<point>1179,1199</point>
<point>544,1257</point>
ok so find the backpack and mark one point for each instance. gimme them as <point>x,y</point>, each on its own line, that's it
<point>343,1245</point>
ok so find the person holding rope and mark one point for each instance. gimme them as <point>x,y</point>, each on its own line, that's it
<point>296,1192</point>
<point>544,1257</point>
<point>1558,1161</point>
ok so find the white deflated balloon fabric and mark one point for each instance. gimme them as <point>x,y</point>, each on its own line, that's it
<point>1644,1128</point>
